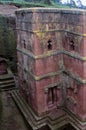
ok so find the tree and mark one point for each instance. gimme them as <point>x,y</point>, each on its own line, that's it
<point>72,3</point>
<point>58,1</point>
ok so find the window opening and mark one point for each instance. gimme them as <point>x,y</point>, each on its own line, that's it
<point>49,45</point>
<point>72,45</point>
<point>22,14</point>
<point>24,43</point>
<point>11,58</point>
<point>52,95</point>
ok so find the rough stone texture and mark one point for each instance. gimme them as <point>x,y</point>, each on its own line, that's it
<point>3,66</point>
<point>8,34</point>
<point>11,118</point>
<point>52,59</point>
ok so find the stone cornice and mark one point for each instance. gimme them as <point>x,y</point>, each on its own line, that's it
<point>37,78</point>
<point>60,30</point>
<point>75,77</point>
<point>51,10</point>
<point>39,32</point>
<point>74,55</point>
<point>51,53</point>
<point>36,57</point>
<point>25,52</point>
<point>52,74</point>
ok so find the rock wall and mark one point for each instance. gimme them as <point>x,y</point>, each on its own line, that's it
<point>8,40</point>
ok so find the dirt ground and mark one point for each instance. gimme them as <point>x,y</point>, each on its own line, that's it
<point>11,117</point>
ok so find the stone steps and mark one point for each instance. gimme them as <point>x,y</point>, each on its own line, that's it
<point>8,85</point>
<point>34,121</point>
<point>6,76</point>
<point>7,81</point>
<point>53,120</point>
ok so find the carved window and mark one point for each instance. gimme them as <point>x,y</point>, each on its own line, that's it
<point>52,95</point>
<point>22,14</point>
<point>24,44</point>
<point>49,45</point>
<point>72,45</point>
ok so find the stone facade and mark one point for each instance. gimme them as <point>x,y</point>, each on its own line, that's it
<point>51,62</point>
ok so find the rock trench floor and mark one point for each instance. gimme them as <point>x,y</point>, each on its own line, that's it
<point>11,117</point>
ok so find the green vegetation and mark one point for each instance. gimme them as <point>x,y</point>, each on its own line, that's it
<point>34,3</point>
<point>45,3</point>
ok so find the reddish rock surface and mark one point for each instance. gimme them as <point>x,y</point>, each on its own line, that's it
<point>8,10</point>
<point>52,60</point>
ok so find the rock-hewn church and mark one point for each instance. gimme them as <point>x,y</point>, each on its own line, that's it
<point>51,48</point>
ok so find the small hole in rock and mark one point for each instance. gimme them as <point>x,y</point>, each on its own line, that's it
<point>49,45</point>
<point>72,46</point>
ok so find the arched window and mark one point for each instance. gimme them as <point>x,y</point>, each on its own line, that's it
<point>52,95</point>
<point>49,45</point>
<point>72,45</point>
<point>24,44</point>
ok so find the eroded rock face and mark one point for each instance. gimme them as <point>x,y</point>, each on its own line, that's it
<point>8,34</point>
<point>3,66</point>
<point>51,59</point>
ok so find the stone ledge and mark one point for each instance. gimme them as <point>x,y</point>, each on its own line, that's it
<point>6,81</point>
<point>52,74</point>
<point>70,74</point>
<point>75,120</point>
<point>52,53</point>
<point>75,77</point>
<point>50,119</point>
<point>55,119</point>
<point>36,57</point>
<point>51,10</point>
